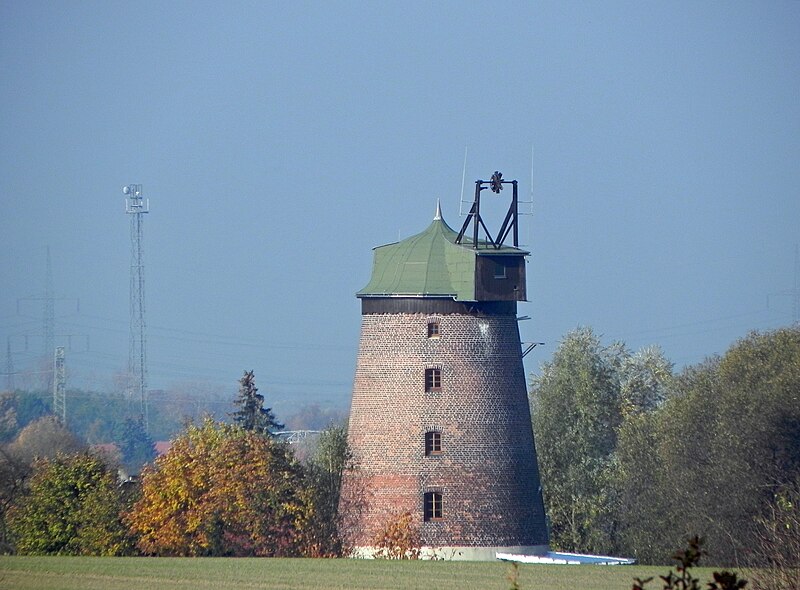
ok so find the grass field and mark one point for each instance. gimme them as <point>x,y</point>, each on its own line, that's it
<point>119,573</point>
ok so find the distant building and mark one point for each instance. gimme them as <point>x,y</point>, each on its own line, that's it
<point>440,425</point>
<point>162,447</point>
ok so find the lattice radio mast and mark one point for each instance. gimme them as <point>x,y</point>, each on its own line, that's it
<point>136,206</point>
<point>60,386</point>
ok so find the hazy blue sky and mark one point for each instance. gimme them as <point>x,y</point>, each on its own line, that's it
<point>279,142</point>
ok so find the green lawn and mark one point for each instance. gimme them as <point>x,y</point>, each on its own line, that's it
<point>118,573</point>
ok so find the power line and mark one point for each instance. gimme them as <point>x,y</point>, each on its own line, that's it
<point>794,292</point>
<point>49,320</point>
<point>9,366</point>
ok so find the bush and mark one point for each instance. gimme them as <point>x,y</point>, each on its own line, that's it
<point>683,580</point>
<point>399,539</point>
<point>72,507</point>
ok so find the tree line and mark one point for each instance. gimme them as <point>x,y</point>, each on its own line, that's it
<point>222,489</point>
<point>101,416</point>
<point>636,458</point>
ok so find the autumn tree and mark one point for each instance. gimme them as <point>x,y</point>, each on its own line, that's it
<point>222,490</point>
<point>72,507</point>
<point>252,415</point>
<point>45,437</point>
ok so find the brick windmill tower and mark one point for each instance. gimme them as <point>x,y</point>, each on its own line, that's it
<point>440,426</point>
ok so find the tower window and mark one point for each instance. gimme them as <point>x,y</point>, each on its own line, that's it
<point>433,379</point>
<point>433,443</point>
<point>433,329</point>
<point>499,270</point>
<point>433,506</point>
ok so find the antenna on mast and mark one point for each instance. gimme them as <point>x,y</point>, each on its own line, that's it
<point>463,181</point>
<point>529,202</point>
<point>136,206</point>
<point>531,173</point>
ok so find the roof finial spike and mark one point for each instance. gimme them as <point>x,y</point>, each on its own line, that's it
<point>438,215</point>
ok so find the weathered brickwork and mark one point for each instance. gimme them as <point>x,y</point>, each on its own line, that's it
<point>486,471</point>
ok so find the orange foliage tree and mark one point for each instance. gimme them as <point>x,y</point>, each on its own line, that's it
<point>399,538</point>
<point>221,490</point>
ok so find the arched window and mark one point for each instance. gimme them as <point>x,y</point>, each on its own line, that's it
<point>433,443</point>
<point>433,379</point>
<point>433,506</point>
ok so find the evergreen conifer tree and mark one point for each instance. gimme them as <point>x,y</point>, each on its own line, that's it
<point>135,444</point>
<point>252,415</point>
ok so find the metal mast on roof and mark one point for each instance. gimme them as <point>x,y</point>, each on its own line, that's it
<point>136,206</point>
<point>474,216</point>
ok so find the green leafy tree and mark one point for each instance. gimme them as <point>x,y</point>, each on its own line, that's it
<point>646,380</point>
<point>778,541</point>
<point>252,415</point>
<point>640,488</point>
<point>72,507</point>
<point>635,460</point>
<point>14,473</point>
<point>324,472</point>
<point>715,453</point>
<point>576,409</point>
<point>755,442</point>
<point>41,438</point>
<point>222,490</point>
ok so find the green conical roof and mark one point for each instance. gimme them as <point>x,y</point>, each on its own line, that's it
<point>429,264</point>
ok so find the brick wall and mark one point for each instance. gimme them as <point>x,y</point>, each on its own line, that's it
<point>487,471</point>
